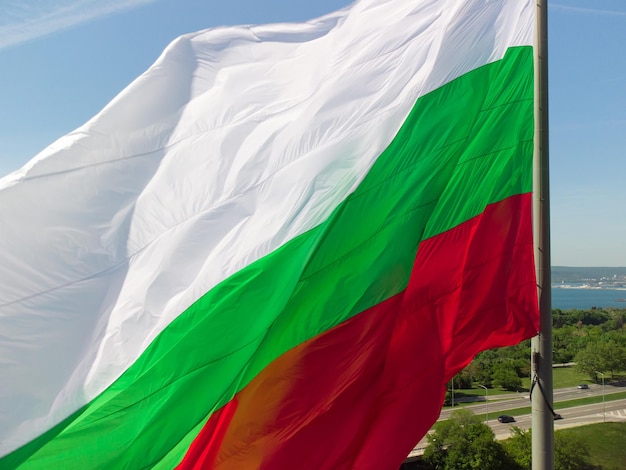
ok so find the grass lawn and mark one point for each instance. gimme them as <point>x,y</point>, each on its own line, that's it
<point>558,406</point>
<point>606,444</point>
<point>563,377</point>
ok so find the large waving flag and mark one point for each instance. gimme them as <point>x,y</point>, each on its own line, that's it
<point>275,246</point>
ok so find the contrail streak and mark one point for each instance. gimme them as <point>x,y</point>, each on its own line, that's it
<point>24,21</point>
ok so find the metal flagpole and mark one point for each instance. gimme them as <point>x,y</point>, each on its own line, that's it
<point>541,356</point>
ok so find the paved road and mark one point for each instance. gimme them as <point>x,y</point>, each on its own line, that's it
<point>574,416</point>
<point>498,403</point>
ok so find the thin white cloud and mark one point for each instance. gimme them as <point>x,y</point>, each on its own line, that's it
<point>593,11</point>
<point>22,21</point>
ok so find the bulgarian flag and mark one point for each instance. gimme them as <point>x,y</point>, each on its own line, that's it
<point>275,247</point>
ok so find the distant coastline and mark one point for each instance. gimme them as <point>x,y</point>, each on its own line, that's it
<point>588,287</point>
<point>585,288</point>
<point>566,286</point>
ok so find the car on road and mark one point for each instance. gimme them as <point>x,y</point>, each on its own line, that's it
<point>557,416</point>
<point>583,387</point>
<point>506,419</point>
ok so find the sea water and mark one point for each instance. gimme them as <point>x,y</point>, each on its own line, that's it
<point>585,298</point>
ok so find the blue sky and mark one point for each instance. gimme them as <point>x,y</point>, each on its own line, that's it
<point>61,61</point>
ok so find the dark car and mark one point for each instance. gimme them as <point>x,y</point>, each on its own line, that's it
<point>506,419</point>
<point>557,416</point>
<point>583,386</point>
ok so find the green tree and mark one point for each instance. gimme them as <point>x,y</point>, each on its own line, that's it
<point>563,344</point>
<point>570,453</point>
<point>519,448</point>
<point>464,379</point>
<point>505,375</point>
<point>464,442</point>
<point>602,355</point>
